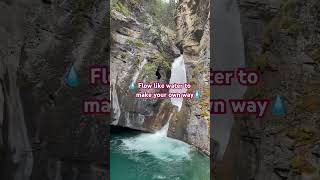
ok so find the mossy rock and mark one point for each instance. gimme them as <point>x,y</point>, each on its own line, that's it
<point>118,6</point>
<point>204,114</point>
<point>135,3</point>
<point>290,25</point>
<point>301,165</point>
<point>314,53</point>
<point>139,43</point>
<point>193,81</point>
<point>137,61</point>
<point>161,61</point>
<point>261,62</point>
<point>148,72</point>
<point>290,5</point>
<point>311,103</point>
<point>143,18</point>
<point>206,92</point>
<point>199,70</point>
<point>302,136</point>
<point>124,56</point>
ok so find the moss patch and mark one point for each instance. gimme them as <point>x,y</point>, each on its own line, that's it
<point>149,71</point>
<point>290,5</point>
<point>290,25</point>
<point>311,103</point>
<point>314,53</point>
<point>118,6</point>
<point>301,165</point>
<point>136,42</point>
<point>261,62</point>
<point>160,60</point>
<point>302,136</point>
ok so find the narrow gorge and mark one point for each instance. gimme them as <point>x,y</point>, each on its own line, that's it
<point>141,48</point>
<point>165,42</point>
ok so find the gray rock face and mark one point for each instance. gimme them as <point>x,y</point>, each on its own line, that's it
<point>282,42</point>
<point>193,33</point>
<point>137,56</point>
<point>44,135</point>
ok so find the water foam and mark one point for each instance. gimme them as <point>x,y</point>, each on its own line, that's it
<point>157,145</point>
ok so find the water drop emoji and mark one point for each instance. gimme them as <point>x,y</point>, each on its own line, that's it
<point>133,87</point>
<point>72,79</point>
<point>278,107</point>
<point>197,95</point>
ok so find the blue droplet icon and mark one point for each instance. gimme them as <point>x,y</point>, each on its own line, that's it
<point>133,87</point>
<point>278,107</point>
<point>197,95</point>
<point>72,78</point>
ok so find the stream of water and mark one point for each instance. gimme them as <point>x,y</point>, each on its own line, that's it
<point>178,76</point>
<point>227,33</point>
<point>144,156</point>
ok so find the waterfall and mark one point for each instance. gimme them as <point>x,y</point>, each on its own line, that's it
<point>164,130</point>
<point>17,136</point>
<point>158,145</point>
<point>178,76</point>
<point>228,53</point>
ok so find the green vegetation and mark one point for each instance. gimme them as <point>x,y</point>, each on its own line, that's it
<point>118,6</point>
<point>149,72</point>
<point>143,18</point>
<point>137,60</point>
<point>199,70</point>
<point>301,165</point>
<point>290,25</point>
<point>261,62</point>
<point>162,12</point>
<point>302,136</point>
<point>136,42</point>
<point>311,103</point>
<point>139,43</point>
<point>124,56</point>
<point>161,60</point>
<point>290,5</point>
<point>135,3</point>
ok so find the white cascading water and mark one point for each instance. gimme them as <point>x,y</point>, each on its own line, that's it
<point>178,76</point>
<point>228,38</point>
<point>157,145</point>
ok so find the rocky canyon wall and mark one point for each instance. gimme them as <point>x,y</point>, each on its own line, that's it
<point>141,48</point>
<point>282,42</point>
<point>43,133</point>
